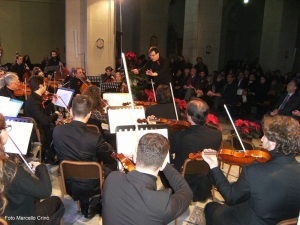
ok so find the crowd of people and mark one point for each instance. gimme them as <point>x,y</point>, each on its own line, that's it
<point>264,193</point>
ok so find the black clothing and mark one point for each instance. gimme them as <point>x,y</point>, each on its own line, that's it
<point>53,61</point>
<point>75,84</point>
<point>162,68</point>
<point>201,67</point>
<point>133,199</point>
<point>6,92</point>
<point>163,111</point>
<point>291,104</point>
<point>195,139</point>
<point>74,141</point>
<point>34,108</point>
<point>19,69</point>
<point>265,193</point>
<point>22,192</point>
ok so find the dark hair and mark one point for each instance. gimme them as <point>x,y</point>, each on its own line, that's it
<point>82,105</point>
<point>94,92</point>
<point>36,70</point>
<point>284,131</point>
<point>53,51</point>
<point>152,150</point>
<point>153,48</point>
<point>17,56</point>
<point>198,111</point>
<point>109,68</point>
<point>76,70</point>
<point>34,82</point>
<point>163,94</point>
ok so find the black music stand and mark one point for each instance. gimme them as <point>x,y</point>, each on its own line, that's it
<point>111,87</point>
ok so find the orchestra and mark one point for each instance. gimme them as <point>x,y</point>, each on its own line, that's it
<point>65,134</point>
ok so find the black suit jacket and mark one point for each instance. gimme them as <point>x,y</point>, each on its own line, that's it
<point>291,105</point>
<point>6,92</point>
<point>133,199</point>
<point>76,142</point>
<point>265,193</point>
<point>229,93</point>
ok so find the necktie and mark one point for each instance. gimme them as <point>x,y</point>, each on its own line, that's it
<point>284,101</point>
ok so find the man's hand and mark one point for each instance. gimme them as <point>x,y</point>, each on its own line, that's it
<point>211,160</point>
<point>274,112</point>
<point>54,99</point>
<point>34,165</point>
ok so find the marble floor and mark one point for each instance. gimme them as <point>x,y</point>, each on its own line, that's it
<point>193,215</point>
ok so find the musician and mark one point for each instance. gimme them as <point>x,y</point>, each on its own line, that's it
<point>12,83</point>
<point>19,67</point>
<point>45,116</point>
<point>2,75</point>
<point>118,78</point>
<point>164,107</point>
<point>157,68</point>
<point>37,71</point>
<point>22,192</point>
<point>76,81</point>
<point>265,193</point>
<point>288,102</point>
<point>108,76</point>
<point>54,59</point>
<point>133,199</point>
<point>195,139</point>
<point>74,141</point>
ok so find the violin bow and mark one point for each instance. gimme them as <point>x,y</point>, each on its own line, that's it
<point>234,127</point>
<point>174,101</point>
<point>20,154</point>
<point>66,107</point>
<point>153,90</point>
<point>25,93</point>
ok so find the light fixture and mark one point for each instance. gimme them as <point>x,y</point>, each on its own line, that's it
<point>246,1</point>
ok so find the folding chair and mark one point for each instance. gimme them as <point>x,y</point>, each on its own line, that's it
<point>93,128</point>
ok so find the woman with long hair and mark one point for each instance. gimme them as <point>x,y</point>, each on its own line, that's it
<point>20,191</point>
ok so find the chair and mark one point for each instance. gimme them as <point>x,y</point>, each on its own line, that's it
<point>93,128</point>
<point>292,221</point>
<point>79,170</point>
<point>198,166</point>
<point>237,146</point>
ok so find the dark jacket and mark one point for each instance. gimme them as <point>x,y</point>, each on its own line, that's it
<point>23,190</point>
<point>265,193</point>
<point>133,199</point>
<point>291,104</point>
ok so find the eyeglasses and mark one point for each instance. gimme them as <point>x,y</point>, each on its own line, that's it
<point>7,128</point>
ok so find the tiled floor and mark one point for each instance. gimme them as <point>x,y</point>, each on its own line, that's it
<point>193,215</point>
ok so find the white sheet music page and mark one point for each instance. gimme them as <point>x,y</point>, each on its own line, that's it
<point>65,96</point>
<point>20,134</point>
<point>10,107</point>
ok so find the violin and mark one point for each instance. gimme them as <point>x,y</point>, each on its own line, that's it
<point>22,90</point>
<point>241,158</point>
<point>145,104</point>
<point>174,124</point>
<point>47,97</point>
<point>63,121</point>
<point>126,163</point>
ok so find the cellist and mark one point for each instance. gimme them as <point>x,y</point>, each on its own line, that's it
<point>265,193</point>
<point>77,82</point>
<point>194,139</point>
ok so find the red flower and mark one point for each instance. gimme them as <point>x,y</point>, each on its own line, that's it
<point>150,95</point>
<point>238,123</point>
<point>211,118</point>
<point>245,130</point>
<point>131,56</point>
<point>181,103</point>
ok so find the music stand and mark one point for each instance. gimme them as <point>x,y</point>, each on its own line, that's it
<point>111,87</point>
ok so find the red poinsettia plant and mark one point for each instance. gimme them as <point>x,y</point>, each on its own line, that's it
<point>131,56</point>
<point>150,95</point>
<point>248,129</point>
<point>211,118</point>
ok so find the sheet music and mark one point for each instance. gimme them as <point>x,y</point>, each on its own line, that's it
<point>65,94</point>
<point>123,115</point>
<point>10,107</point>
<point>20,133</point>
<point>116,99</point>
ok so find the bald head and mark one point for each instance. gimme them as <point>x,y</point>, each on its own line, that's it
<point>197,111</point>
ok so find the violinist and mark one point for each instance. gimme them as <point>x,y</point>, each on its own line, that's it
<point>12,84</point>
<point>107,76</point>
<point>19,67</point>
<point>20,192</point>
<point>265,193</point>
<point>164,107</point>
<point>118,78</point>
<point>74,141</point>
<point>133,198</point>
<point>195,139</point>
<point>78,81</point>
<point>45,116</point>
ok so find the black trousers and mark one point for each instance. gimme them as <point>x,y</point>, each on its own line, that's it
<point>50,211</point>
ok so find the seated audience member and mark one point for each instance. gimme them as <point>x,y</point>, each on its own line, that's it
<point>11,81</point>
<point>74,141</point>
<point>265,193</point>
<point>184,78</point>
<point>191,85</point>
<point>288,102</point>
<point>45,116</point>
<point>195,139</point>
<point>164,107</point>
<point>137,188</point>
<point>227,95</point>
<point>20,198</point>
